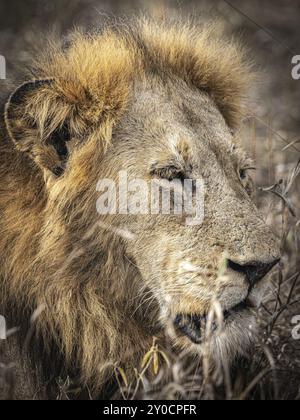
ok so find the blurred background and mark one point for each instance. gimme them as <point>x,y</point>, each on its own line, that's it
<point>270,30</point>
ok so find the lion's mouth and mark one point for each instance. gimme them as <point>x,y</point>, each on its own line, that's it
<point>194,326</point>
<point>236,309</point>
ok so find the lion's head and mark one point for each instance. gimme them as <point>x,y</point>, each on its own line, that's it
<point>158,102</point>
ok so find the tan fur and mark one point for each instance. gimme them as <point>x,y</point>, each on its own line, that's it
<point>53,253</point>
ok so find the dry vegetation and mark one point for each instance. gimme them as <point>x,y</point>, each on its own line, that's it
<point>272,137</point>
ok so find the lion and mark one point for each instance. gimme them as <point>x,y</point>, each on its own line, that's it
<point>89,291</point>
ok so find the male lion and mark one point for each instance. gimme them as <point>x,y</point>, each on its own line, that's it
<point>157,101</point>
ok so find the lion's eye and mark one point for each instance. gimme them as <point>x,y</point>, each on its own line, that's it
<point>243,174</point>
<point>246,180</point>
<point>169,173</point>
<point>176,175</point>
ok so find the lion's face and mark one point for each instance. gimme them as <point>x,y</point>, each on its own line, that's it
<point>175,133</point>
<point>156,107</point>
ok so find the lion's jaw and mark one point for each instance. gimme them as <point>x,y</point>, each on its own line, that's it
<point>225,331</point>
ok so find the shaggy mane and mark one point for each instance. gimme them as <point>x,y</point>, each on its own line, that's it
<point>102,65</point>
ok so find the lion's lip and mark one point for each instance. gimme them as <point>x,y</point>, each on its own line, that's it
<point>190,326</point>
<point>193,326</point>
<point>245,304</point>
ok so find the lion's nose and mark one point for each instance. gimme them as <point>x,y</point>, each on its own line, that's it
<point>254,271</point>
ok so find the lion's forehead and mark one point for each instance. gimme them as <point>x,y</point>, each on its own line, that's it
<point>175,119</point>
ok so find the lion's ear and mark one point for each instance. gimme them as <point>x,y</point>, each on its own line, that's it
<point>37,117</point>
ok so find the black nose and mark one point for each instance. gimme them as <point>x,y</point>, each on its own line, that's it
<point>253,271</point>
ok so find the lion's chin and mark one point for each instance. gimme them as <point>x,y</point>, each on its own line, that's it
<point>236,339</point>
